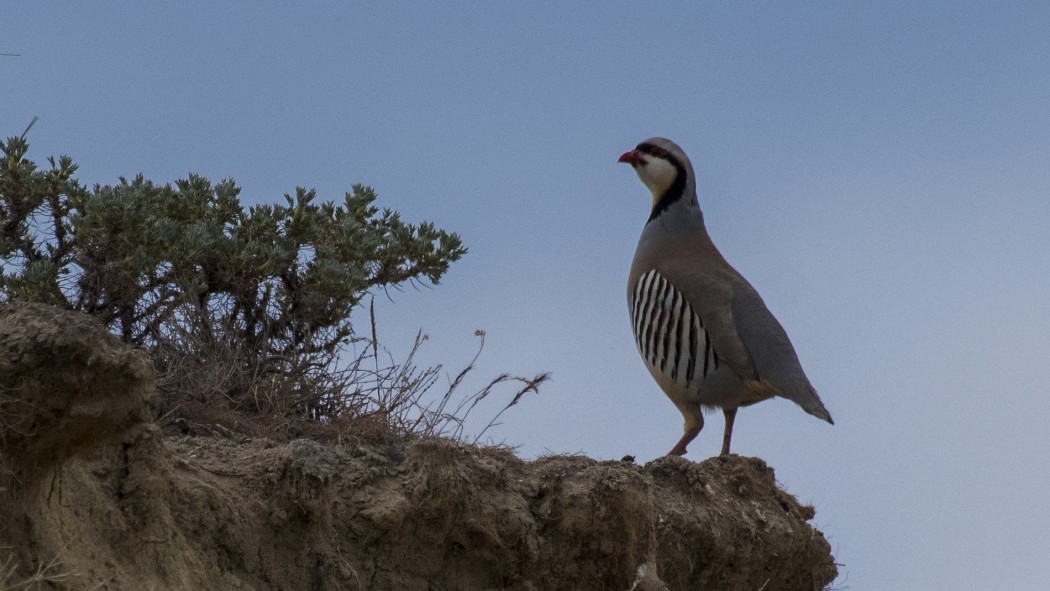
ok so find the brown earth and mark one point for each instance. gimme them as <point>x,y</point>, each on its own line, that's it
<point>93,496</point>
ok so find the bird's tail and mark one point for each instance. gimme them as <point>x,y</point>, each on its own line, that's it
<point>816,408</point>
<point>805,396</point>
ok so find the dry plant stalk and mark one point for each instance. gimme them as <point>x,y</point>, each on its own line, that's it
<point>356,390</point>
<point>46,574</point>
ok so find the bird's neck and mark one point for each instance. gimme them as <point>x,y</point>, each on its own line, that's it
<point>681,192</point>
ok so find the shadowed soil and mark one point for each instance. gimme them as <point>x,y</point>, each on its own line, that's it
<point>96,497</point>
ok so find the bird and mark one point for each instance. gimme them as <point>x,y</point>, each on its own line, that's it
<point>703,331</point>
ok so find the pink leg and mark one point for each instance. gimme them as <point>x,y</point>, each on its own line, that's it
<point>687,437</point>
<point>730,414</point>
<point>694,421</point>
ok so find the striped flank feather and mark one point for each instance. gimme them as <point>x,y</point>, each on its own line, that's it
<point>669,335</point>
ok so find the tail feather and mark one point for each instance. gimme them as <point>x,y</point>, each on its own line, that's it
<point>816,408</point>
<point>807,399</point>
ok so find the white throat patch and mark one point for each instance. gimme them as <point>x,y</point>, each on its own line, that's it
<point>657,174</point>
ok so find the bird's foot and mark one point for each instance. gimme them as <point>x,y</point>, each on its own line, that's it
<point>678,450</point>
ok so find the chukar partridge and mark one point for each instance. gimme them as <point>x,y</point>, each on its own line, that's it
<point>706,336</point>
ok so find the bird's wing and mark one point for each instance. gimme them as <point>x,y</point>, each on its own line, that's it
<point>709,292</point>
<point>775,359</point>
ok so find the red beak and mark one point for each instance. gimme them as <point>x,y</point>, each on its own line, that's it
<point>634,158</point>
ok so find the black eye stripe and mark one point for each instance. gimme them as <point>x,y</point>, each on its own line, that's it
<point>653,150</point>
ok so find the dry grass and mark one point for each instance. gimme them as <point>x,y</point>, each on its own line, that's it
<point>46,575</point>
<point>837,585</point>
<point>402,395</point>
<point>357,392</point>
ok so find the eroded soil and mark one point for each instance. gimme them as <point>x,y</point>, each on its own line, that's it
<point>93,491</point>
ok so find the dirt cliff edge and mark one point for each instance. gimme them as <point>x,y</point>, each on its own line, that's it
<point>92,496</point>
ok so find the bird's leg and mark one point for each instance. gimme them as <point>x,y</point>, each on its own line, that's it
<point>694,421</point>
<point>730,414</point>
<point>679,448</point>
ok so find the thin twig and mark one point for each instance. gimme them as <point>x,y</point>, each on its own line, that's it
<point>30,126</point>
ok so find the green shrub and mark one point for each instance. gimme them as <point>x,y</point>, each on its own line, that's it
<point>247,309</point>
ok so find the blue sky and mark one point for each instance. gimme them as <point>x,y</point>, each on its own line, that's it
<point>879,171</point>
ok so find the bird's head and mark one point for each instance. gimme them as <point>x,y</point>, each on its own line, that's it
<point>661,165</point>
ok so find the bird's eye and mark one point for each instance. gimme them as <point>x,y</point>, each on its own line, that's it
<point>653,150</point>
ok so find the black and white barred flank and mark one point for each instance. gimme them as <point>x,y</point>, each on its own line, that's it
<point>670,336</point>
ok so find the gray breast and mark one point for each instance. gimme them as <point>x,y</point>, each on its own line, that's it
<point>669,334</point>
